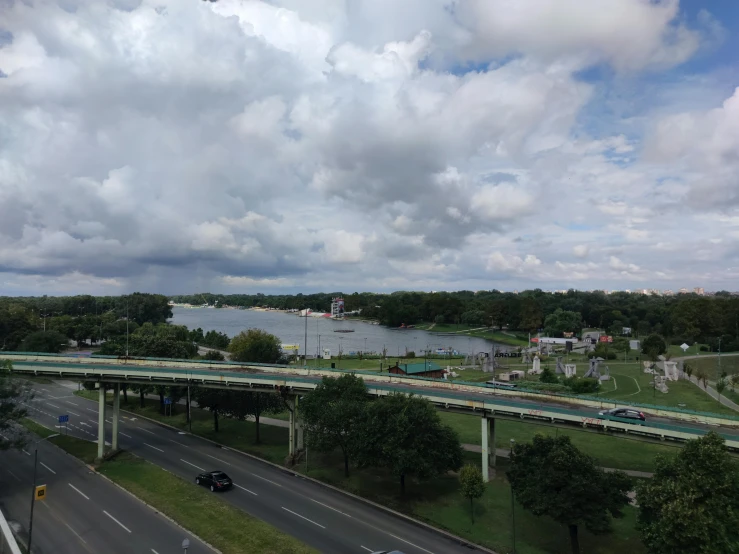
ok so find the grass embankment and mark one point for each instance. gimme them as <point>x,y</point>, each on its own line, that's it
<point>229,529</point>
<point>728,365</point>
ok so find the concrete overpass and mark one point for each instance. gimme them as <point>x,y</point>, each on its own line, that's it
<point>470,398</point>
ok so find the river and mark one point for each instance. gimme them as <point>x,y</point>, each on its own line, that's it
<point>291,330</point>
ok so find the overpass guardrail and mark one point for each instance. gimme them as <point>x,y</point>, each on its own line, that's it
<point>482,402</point>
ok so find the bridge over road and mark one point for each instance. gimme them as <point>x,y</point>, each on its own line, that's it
<point>474,399</point>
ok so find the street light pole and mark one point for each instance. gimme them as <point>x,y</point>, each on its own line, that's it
<point>33,489</point>
<point>513,507</point>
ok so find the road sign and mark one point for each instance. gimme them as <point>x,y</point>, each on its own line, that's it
<point>185,545</point>
<point>167,400</point>
<point>63,418</point>
<point>40,492</point>
<point>684,347</point>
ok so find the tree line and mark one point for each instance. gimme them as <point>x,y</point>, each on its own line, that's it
<point>681,318</point>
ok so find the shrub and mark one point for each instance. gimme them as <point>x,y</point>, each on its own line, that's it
<point>582,385</point>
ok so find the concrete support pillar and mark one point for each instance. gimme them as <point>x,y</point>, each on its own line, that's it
<point>485,449</point>
<point>116,414</point>
<point>299,440</point>
<point>491,441</point>
<point>291,448</point>
<point>101,421</point>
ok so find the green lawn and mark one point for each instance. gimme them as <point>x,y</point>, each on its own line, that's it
<point>229,529</point>
<point>82,449</point>
<point>729,365</point>
<point>609,451</point>
<point>634,386</point>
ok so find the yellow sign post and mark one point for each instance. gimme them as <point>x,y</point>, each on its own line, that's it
<point>40,492</point>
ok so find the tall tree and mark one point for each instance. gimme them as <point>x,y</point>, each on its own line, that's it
<point>255,345</point>
<point>331,414</point>
<point>551,477</point>
<point>691,505</point>
<point>405,435</point>
<point>44,341</point>
<point>471,485</point>
<point>653,346</point>
<point>14,394</point>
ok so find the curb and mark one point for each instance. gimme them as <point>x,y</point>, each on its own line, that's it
<point>459,540</point>
<point>165,516</point>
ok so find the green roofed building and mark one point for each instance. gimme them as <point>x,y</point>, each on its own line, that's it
<point>418,369</point>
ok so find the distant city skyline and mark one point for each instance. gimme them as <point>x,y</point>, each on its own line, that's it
<point>281,146</point>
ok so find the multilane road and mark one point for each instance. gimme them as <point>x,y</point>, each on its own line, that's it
<point>329,521</point>
<point>82,513</point>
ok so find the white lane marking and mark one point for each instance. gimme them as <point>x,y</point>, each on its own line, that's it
<point>218,459</point>
<point>26,453</point>
<point>367,549</point>
<point>407,542</point>
<point>265,479</point>
<point>85,424</point>
<point>303,517</point>
<point>47,467</point>
<point>154,447</point>
<point>73,413</point>
<point>54,406</point>
<point>154,551</point>
<point>108,421</point>
<point>75,532</point>
<point>330,508</point>
<point>79,491</point>
<point>125,435</point>
<point>193,465</point>
<point>170,440</point>
<point>118,522</point>
<point>13,474</point>
<point>235,485</point>
<point>146,430</point>
<point>91,410</point>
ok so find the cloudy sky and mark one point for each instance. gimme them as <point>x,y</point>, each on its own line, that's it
<point>305,145</point>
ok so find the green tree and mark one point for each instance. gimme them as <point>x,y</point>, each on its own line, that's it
<point>551,477</point>
<point>14,394</point>
<point>721,385</point>
<point>331,414</point>
<point>44,341</point>
<point>701,376</point>
<point>691,505</point>
<point>405,435</point>
<point>688,369</point>
<point>214,355</point>
<point>255,345</point>
<point>562,321</point>
<point>472,486</point>
<point>653,346</point>
<point>548,376</point>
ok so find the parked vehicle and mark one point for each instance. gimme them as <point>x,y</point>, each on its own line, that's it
<point>628,415</point>
<point>216,480</point>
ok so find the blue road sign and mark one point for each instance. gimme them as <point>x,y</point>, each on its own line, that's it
<point>63,418</point>
<point>167,400</point>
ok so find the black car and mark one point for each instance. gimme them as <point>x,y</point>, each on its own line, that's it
<point>623,413</point>
<point>216,480</point>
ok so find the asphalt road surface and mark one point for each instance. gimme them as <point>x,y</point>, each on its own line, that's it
<point>82,513</point>
<point>329,521</point>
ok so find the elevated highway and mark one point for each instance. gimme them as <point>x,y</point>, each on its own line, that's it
<point>474,399</point>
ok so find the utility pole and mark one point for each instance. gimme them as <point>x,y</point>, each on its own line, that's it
<point>719,359</point>
<point>305,348</point>
<point>126,328</point>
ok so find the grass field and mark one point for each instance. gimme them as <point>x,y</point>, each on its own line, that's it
<point>229,529</point>
<point>633,385</point>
